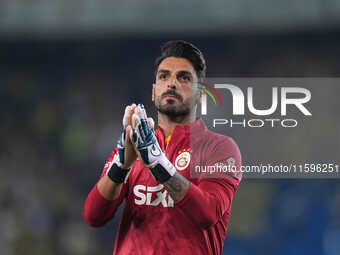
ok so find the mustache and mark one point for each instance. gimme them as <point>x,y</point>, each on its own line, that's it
<point>172,93</point>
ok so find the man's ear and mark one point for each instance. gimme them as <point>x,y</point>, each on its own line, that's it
<point>153,92</point>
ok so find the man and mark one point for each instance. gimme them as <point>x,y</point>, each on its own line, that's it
<point>167,211</point>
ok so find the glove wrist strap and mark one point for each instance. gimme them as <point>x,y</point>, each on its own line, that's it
<point>117,174</point>
<point>163,170</point>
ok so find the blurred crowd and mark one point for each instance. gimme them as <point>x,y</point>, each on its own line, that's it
<point>61,111</point>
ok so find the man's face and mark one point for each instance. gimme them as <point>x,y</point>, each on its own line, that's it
<point>175,91</point>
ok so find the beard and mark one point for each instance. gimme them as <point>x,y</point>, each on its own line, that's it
<point>170,108</point>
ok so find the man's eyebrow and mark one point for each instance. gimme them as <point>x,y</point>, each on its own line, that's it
<point>163,71</point>
<point>183,72</point>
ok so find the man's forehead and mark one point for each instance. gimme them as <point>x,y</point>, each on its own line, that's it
<point>174,64</point>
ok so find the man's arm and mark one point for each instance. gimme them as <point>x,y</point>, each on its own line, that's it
<point>204,203</point>
<point>109,192</point>
<point>110,185</point>
<point>211,197</point>
<point>109,189</point>
<point>177,186</point>
<point>207,202</point>
<point>105,197</point>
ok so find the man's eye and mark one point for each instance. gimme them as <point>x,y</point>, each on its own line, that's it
<point>162,76</point>
<point>185,78</point>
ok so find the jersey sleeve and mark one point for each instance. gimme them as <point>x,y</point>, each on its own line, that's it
<point>211,197</point>
<point>97,209</point>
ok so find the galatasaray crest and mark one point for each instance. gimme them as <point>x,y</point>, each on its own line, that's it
<point>183,159</point>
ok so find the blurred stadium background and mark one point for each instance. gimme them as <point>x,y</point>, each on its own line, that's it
<point>67,69</point>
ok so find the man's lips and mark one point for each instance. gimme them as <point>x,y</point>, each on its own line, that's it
<point>171,96</point>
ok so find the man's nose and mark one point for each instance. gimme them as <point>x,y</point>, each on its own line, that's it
<point>173,83</point>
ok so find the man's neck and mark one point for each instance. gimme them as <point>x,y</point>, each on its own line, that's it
<point>168,124</point>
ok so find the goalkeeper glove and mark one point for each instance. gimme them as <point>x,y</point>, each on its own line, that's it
<point>148,147</point>
<point>124,158</point>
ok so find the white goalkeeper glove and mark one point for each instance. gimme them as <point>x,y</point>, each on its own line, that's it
<point>126,155</point>
<point>148,148</point>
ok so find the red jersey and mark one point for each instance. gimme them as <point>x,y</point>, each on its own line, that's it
<point>152,223</point>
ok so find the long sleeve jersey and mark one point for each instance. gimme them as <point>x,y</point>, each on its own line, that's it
<point>152,223</point>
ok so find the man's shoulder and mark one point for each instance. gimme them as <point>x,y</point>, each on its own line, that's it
<point>217,151</point>
<point>217,146</point>
<point>216,139</point>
